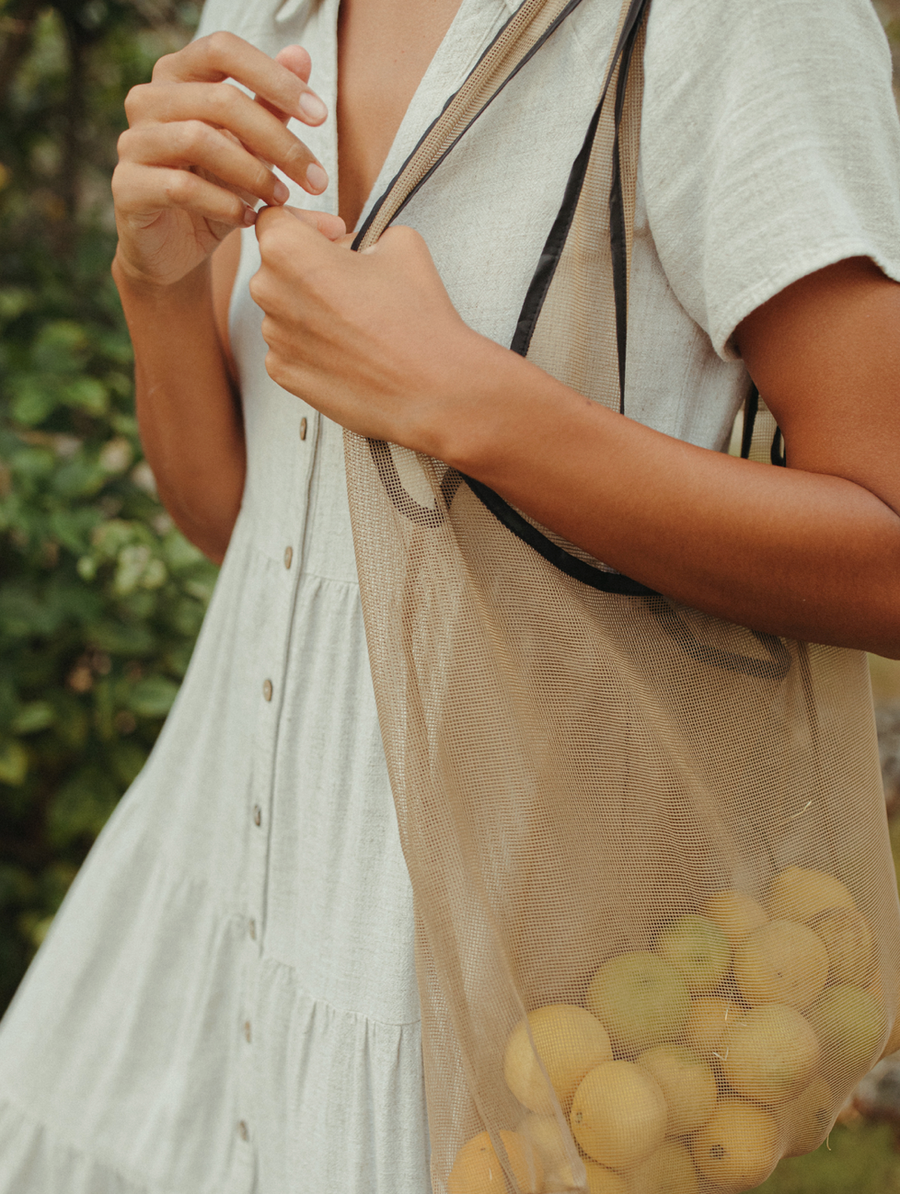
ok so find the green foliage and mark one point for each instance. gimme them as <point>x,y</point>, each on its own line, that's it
<point>100,596</point>
<point>860,1158</point>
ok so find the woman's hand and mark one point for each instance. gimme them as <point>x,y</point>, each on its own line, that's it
<point>370,339</point>
<point>193,161</point>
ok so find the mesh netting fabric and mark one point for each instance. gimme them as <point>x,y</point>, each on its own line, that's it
<point>656,917</point>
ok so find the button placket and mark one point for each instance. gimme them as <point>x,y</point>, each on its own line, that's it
<point>273,659</point>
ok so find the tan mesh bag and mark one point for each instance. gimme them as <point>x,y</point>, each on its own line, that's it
<point>657,835</point>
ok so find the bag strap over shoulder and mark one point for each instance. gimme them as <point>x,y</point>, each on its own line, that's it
<point>516,43</point>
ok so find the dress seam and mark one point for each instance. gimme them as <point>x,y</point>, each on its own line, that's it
<point>271,960</point>
<point>94,1157</point>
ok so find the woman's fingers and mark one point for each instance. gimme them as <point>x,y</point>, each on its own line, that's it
<point>193,143</point>
<point>224,106</point>
<point>298,62</point>
<point>142,192</point>
<point>223,56</point>
<point>331,226</point>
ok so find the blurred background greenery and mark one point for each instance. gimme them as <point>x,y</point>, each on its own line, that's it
<point>100,597</point>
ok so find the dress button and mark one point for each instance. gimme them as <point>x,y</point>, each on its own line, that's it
<point>247,1031</point>
<point>243,1130</point>
<point>303,428</point>
<point>257,815</point>
<point>251,927</point>
<point>288,556</point>
<point>267,690</point>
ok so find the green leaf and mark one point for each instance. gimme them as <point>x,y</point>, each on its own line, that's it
<point>79,477</point>
<point>35,716</point>
<point>82,805</point>
<point>128,759</point>
<point>13,763</point>
<point>74,528</point>
<point>153,696</point>
<point>122,638</point>
<point>61,347</point>
<point>34,399</point>
<point>86,393</point>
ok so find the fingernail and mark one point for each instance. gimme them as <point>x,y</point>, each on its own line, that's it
<point>316,177</point>
<point>312,107</point>
<point>280,191</point>
<point>249,216</point>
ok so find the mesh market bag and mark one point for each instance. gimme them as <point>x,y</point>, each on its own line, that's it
<point>656,916</point>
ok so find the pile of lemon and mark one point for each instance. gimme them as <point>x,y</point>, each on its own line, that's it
<point>696,1064</point>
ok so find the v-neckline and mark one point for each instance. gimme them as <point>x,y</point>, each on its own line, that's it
<point>473,26</point>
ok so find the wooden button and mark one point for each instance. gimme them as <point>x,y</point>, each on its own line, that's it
<point>267,690</point>
<point>247,1031</point>
<point>257,815</point>
<point>288,556</point>
<point>303,428</point>
<point>252,930</point>
<point>243,1130</point>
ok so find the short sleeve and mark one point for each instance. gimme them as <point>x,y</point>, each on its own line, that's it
<point>770,149</point>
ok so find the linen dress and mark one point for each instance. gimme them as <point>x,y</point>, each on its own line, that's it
<point>226,1003</point>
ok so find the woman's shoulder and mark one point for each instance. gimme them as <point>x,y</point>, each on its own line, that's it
<point>770,148</point>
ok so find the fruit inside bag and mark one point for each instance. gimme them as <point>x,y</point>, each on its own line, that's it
<point>657,915</point>
<point>657,926</point>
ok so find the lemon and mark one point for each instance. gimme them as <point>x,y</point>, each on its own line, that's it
<point>781,962</point>
<point>477,1170</point>
<point>687,1082</point>
<point>736,913</point>
<point>769,1053</point>
<point>698,948</point>
<point>670,1170</point>
<point>848,942</point>
<point>706,1023</point>
<point>568,1040</point>
<point>546,1138</point>
<point>807,1119</point>
<point>738,1147</point>
<point>802,895</point>
<point>640,999</point>
<point>850,1024</point>
<point>892,1044</point>
<point>619,1114</point>
<point>601,1180</point>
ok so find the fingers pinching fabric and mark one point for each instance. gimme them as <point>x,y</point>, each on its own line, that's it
<point>657,932</point>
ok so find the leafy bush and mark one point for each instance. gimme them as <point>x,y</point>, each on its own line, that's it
<point>100,596</point>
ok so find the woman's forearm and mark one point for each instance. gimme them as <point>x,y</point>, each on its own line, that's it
<point>795,553</point>
<point>189,416</point>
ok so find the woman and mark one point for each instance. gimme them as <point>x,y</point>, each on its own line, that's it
<point>227,1001</point>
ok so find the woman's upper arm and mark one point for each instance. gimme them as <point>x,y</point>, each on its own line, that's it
<point>825,354</point>
<point>225,262</point>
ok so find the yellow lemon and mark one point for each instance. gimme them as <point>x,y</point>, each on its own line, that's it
<point>546,1137</point>
<point>640,999</point>
<point>807,1119</point>
<point>736,913</point>
<point>769,1054</point>
<point>848,943</point>
<point>698,948</point>
<point>707,1022</point>
<point>850,1024</point>
<point>781,962</point>
<point>670,1170</point>
<point>477,1170</point>
<point>892,1044</point>
<point>601,1180</point>
<point>687,1082</point>
<point>738,1147</point>
<point>619,1114</point>
<point>569,1041</point>
<point>802,895</point>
